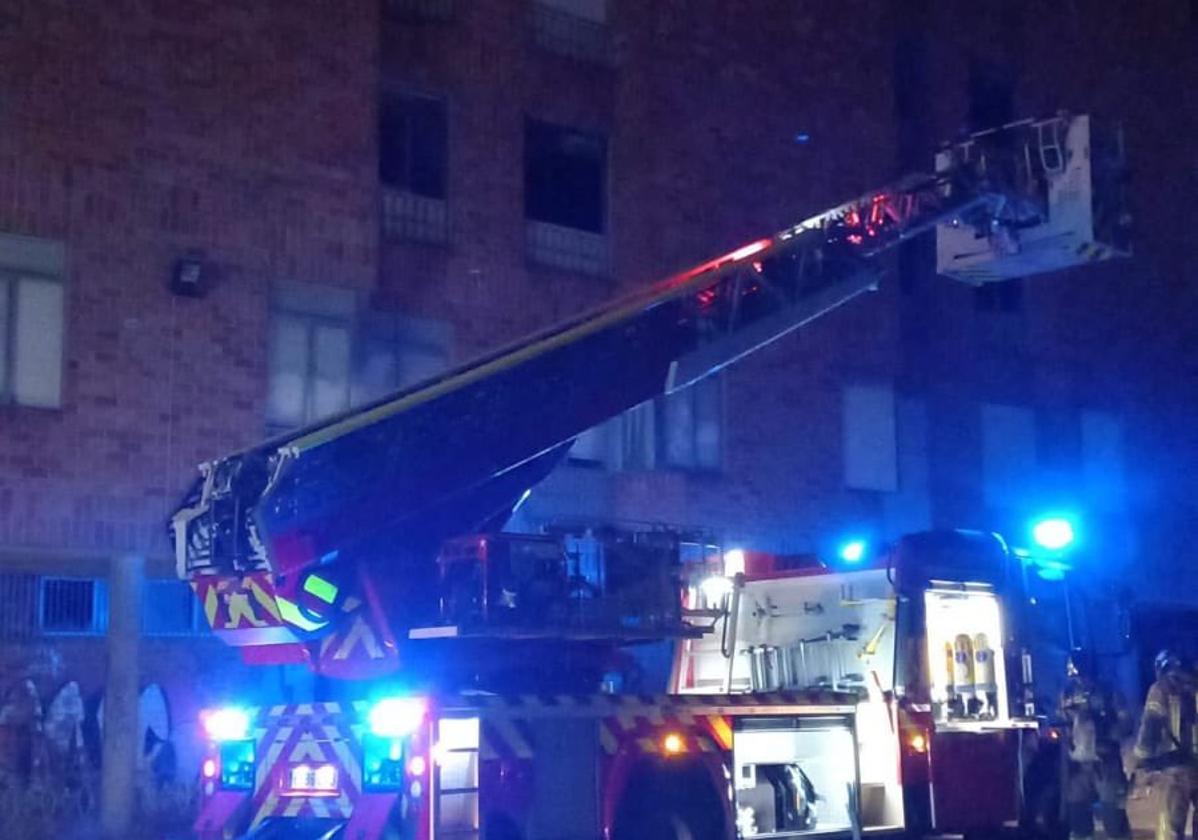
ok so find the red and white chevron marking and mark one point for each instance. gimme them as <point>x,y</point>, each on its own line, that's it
<point>308,733</point>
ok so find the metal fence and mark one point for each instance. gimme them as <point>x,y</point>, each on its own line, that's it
<point>18,606</point>
<point>415,218</point>
<point>567,248</point>
<point>39,605</point>
<point>70,606</point>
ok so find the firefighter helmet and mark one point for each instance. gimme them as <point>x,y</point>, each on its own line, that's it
<point>1166,662</point>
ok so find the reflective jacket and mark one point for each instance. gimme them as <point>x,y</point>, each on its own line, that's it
<point>1169,727</point>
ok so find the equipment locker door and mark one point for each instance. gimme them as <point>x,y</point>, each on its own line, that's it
<point>565,783</point>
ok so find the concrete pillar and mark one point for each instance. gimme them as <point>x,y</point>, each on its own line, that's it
<point>122,740</point>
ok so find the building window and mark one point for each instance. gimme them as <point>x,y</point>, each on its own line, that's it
<point>72,606</point>
<point>31,334</point>
<point>690,426</point>
<point>1058,441</point>
<point>310,368</point>
<point>991,95</point>
<point>593,448</point>
<point>573,28</point>
<point>565,176</point>
<point>395,352</point>
<point>1102,460</point>
<point>1009,458</point>
<point>327,356</point>
<point>681,431</point>
<point>413,166</point>
<point>869,438</point>
<point>565,197</point>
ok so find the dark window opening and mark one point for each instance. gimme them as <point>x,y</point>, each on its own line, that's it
<point>565,176</point>
<point>991,95</point>
<point>413,144</point>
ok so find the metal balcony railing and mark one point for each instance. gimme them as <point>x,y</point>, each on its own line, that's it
<point>407,216</point>
<point>570,35</point>
<point>567,248</point>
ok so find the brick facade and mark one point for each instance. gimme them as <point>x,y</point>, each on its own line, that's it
<point>142,132</point>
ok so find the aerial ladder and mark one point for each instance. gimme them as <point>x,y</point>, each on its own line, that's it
<point>331,545</point>
<point>340,521</point>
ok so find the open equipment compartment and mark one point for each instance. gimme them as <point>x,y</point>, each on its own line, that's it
<point>794,776</point>
<point>965,646</point>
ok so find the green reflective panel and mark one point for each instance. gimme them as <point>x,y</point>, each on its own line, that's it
<point>321,588</point>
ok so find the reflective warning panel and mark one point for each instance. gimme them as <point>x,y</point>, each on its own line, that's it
<point>242,610</point>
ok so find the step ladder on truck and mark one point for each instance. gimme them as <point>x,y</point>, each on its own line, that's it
<point>369,548</point>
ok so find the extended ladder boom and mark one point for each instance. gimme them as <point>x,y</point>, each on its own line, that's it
<point>386,483</point>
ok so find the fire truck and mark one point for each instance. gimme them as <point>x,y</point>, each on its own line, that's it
<point>479,684</point>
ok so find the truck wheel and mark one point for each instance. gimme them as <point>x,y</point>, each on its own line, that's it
<point>667,820</point>
<point>666,826</point>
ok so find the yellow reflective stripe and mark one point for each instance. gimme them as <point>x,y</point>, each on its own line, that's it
<point>211,603</point>
<point>241,608</point>
<point>263,598</point>
<point>673,287</point>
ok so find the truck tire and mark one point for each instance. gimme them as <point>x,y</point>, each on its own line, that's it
<point>666,826</point>
<point>676,803</point>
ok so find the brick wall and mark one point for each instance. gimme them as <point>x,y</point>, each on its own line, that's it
<point>136,133</point>
<point>142,130</point>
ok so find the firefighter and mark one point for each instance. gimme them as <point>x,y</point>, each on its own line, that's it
<point>1098,721</point>
<point>1168,742</point>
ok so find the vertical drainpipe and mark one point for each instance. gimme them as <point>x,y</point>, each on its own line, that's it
<point>122,740</point>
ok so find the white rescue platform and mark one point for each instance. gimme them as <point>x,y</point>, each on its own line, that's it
<point>1073,177</point>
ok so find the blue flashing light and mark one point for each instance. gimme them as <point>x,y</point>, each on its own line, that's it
<point>853,551</point>
<point>397,717</point>
<point>227,724</point>
<point>1054,533</point>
